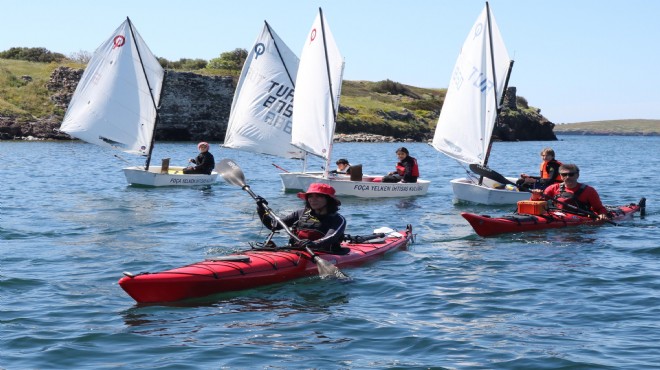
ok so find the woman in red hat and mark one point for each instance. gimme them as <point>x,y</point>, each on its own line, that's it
<point>204,163</point>
<point>319,225</point>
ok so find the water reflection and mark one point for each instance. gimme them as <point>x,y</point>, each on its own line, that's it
<point>306,296</point>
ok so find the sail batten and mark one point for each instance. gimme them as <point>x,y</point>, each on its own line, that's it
<point>470,109</point>
<point>115,102</point>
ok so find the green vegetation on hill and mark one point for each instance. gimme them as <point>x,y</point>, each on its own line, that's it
<point>27,97</point>
<point>614,127</point>
<point>384,107</point>
<point>388,108</point>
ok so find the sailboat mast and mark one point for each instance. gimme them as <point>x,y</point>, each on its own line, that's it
<point>492,66</point>
<point>153,100</point>
<point>332,98</point>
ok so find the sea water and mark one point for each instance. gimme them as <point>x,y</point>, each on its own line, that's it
<point>580,298</point>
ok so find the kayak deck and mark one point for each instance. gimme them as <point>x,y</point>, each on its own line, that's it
<point>485,225</point>
<point>249,269</point>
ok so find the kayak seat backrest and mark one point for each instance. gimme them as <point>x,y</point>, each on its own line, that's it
<point>356,172</point>
<point>165,165</point>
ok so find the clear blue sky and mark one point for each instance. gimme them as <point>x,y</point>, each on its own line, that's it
<point>577,60</point>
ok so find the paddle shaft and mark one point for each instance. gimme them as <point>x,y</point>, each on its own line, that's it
<point>578,210</point>
<point>272,214</point>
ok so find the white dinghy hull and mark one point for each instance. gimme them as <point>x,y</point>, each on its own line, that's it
<point>174,177</point>
<point>367,188</point>
<point>469,190</point>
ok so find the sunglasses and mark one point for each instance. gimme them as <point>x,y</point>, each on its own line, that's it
<point>567,174</point>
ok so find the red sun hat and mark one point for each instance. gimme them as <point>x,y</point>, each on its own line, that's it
<point>319,188</point>
<point>202,143</point>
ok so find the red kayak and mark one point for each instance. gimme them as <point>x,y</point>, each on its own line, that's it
<point>250,269</point>
<point>486,225</point>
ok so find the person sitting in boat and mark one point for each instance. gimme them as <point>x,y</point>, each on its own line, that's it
<point>204,163</point>
<point>549,173</point>
<point>572,196</point>
<point>319,225</point>
<point>343,167</point>
<point>406,169</point>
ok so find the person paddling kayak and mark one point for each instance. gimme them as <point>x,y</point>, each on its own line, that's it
<point>572,196</point>
<point>319,225</point>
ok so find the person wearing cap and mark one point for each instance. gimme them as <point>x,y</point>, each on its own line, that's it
<point>318,225</point>
<point>343,167</point>
<point>204,163</point>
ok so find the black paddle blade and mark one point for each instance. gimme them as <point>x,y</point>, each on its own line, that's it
<point>231,172</point>
<point>487,172</point>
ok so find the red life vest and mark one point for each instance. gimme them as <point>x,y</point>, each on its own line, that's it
<point>567,197</point>
<point>401,169</point>
<point>545,174</point>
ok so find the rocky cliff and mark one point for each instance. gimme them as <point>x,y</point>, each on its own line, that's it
<point>196,107</point>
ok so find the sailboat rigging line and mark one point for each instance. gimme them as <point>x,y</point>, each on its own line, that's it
<point>279,54</point>
<point>151,94</point>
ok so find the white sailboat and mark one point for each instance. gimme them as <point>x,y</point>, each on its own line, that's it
<point>318,88</point>
<point>116,105</point>
<point>470,111</point>
<point>262,108</point>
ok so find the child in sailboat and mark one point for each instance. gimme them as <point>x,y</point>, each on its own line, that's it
<point>406,169</point>
<point>343,167</point>
<point>204,163</point>
<point>549,173</point>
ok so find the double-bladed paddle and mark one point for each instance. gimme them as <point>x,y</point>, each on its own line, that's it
<point>577,210</point>
<point>232,173</point>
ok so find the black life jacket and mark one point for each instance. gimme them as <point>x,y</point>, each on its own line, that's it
<point>309,227</point>
<point>572,198</point>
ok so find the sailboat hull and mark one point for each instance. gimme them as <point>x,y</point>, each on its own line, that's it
<point>174,177</point>
<point>369,187</point>
<point>468,190</point>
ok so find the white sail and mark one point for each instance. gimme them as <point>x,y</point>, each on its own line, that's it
<point>469,111</point>
<point>262,109</point>
<point>116,100</point>
<point>318,87</point>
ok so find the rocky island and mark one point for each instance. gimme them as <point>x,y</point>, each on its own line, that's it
<point>196,107</point>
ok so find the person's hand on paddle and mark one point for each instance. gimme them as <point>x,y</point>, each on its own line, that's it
<point>261,205</point>
<point>604,216</point>
<point>261,201</point>
<point>537,194</point>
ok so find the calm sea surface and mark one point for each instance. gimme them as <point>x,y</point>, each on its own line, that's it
<point>584,298</point>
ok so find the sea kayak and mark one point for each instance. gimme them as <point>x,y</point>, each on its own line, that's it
<point>486,225</point>
<point>250,269</point>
